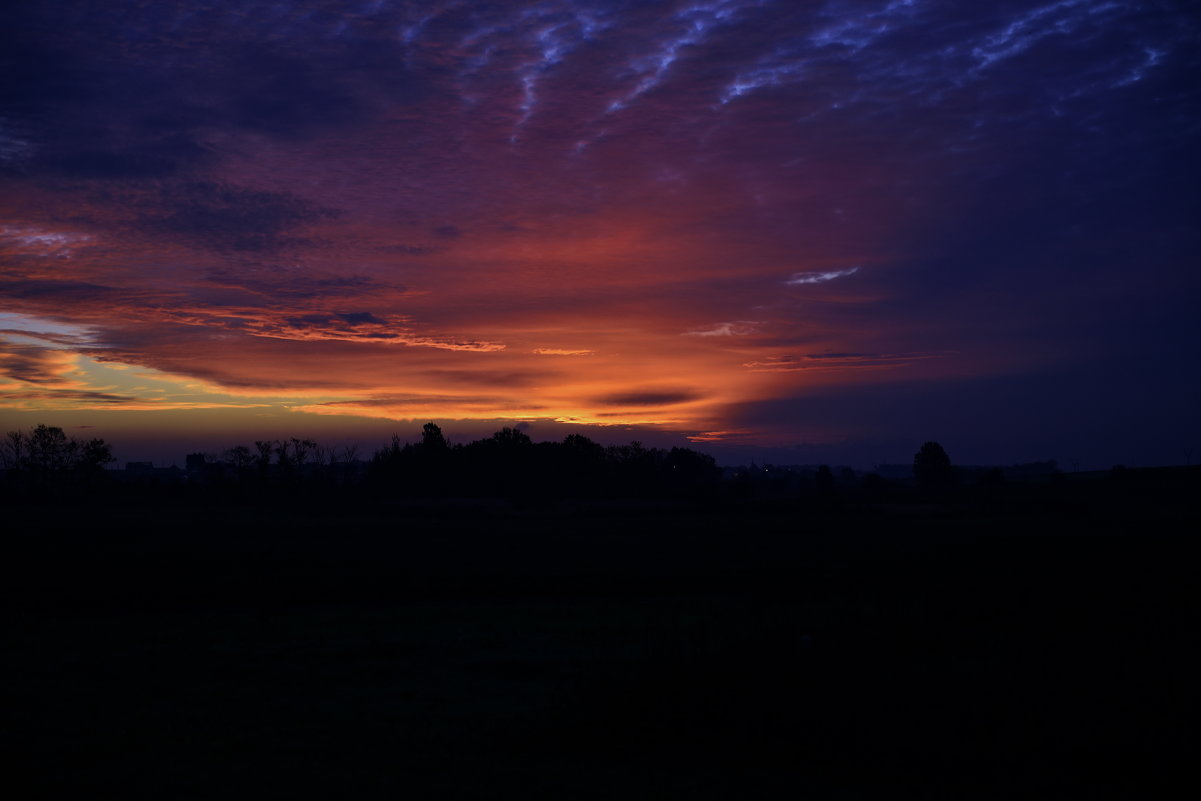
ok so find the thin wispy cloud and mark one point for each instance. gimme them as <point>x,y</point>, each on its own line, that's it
<point>734,329</point>
<point>803,278</point>
<point>835,362</point>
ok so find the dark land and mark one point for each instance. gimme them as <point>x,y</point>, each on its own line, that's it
<point>881,640</point>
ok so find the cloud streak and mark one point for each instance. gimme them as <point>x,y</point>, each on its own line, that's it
<point>801,279</point>
<point>838,362</point>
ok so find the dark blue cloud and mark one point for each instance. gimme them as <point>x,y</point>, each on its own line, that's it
<point>131,92</point>
<point>223,217</point>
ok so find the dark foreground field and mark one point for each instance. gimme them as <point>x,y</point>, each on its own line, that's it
<point>738,651</point>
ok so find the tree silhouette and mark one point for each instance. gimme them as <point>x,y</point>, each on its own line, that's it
<point>13,451</point>
<point>301,448</point>
<point>432,439</point>
<point>47,455</point>
<point>510,438</point>
<point>579,444</point>
<point>94,454</point>
<point>263,447</point>
<point>240,456</point>
<point>824,479</point>
<point>932,467</point>
<point>49,449</point>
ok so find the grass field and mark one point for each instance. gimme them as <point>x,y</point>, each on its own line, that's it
<point>738,651</point>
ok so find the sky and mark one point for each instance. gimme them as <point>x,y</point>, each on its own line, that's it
<point>788,231</point>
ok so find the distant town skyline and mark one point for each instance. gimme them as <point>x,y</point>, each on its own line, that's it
<point>789,232</point>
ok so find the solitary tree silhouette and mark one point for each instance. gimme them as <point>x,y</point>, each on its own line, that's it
<point>932,467</point>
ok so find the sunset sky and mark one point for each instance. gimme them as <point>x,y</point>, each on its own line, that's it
<point>789,231</point>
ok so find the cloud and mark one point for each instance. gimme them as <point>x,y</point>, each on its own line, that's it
<point>732,435</point>
<point>47,336</point>
<point>13,148</point>
<point>448,407</point>
<point>736,329</point>
<point>408,250</point>
<point>689,28</point>
<point>484,376</point>
<point>648,398</point>
<point>64,399</point>
<point>30,364</point>
<point>562,352</point>
<point>294,286</point>
<point>835,362</point>
<point>52,398</point>
<point>801,279</point>
<point>1060,18</point>
<point>129,95</point>
<point>280,305</point>
<point>227,217</point>
<point>57,292</point>
<point>283,323</point>
<point>17,240</point>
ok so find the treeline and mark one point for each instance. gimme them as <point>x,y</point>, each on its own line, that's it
<point>45,465</point>
<point>47,457</point>
<point>507,465</point>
